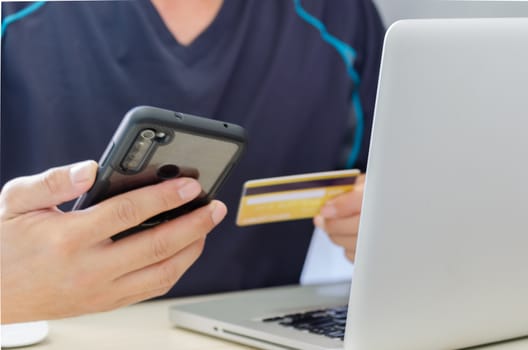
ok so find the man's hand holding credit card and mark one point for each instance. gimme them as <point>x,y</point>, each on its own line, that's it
<point>291,197</point>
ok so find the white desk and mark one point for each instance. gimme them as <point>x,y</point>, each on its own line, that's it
<point>146,326</point>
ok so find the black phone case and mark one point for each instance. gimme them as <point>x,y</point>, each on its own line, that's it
<point>185,145</point>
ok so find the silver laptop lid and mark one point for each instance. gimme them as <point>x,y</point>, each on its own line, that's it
<point>442,256</point>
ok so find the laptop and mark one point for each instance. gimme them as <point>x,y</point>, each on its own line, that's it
<point>442,256</point>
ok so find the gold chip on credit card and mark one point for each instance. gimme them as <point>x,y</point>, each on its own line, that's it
<point>291,197</point>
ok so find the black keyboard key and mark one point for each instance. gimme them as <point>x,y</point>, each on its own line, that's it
<point>272,319</point>
<point>328,322</point>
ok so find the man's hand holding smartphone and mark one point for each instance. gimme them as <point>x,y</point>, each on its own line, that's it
<point>58,264</point>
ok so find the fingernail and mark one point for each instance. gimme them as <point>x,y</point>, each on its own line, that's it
<point>319,221</point>
<point>328,211</point>
<point>218,212</point>
<point>81,172</point>
<point>189,189</point>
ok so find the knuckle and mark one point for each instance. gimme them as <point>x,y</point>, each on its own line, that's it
<point>61,244</point>
<point>203,221</point>
<point>126,212</point>
<point>199,247</point>
<point>160,247</point>
<point>167,200</point>
<point>166,278</point>
<point>52,181</point>
<point>9,196</point>
<point>158,292</point>
<point>9,190</point>
<point>196,250</point>
<point>64,247</point>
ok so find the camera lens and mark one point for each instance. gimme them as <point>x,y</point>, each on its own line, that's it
<point>148,134</point>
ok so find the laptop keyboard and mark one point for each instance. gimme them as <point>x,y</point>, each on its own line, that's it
<point>329,322</point>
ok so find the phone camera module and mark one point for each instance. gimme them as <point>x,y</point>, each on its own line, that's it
<point>139,150</point>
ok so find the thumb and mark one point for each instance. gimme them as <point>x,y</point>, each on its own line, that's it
<point>47,189</point>
<point>344,205</point>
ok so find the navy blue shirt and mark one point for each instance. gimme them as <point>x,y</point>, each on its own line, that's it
<point>70,71</point>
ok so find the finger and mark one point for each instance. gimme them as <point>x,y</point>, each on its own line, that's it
<point>163,241</point>
<point>159,277</point>
<point>47,189</point>
<point>346,226</point>
<point>129,209</point>
<point>361,179</point>
<point>346,204</point>
<point>351,254</point>
<point>347,242</point>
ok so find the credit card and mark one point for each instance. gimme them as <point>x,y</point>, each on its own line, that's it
<point>291,197</point>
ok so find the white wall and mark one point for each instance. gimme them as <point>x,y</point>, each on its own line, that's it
<point>392,10</point>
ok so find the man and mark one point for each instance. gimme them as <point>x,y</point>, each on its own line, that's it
<point>288,72</point>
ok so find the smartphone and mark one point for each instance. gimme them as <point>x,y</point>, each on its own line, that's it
<point>152,145</point>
